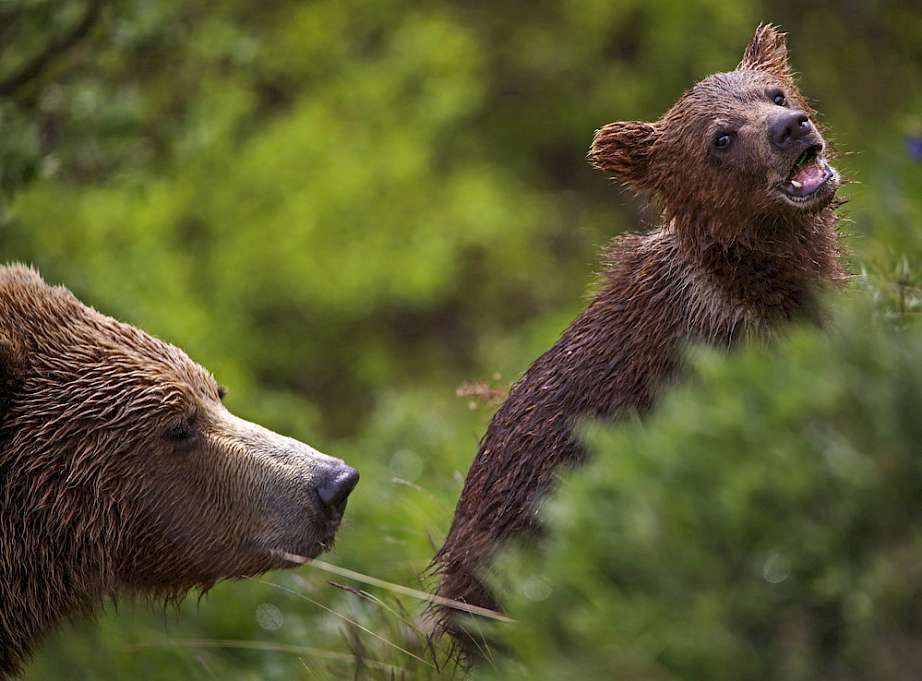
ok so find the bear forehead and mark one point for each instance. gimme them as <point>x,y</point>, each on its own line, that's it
<point>734,90</point>
<point>61,336</point>
<point>125,352</point>
<point>732,98</point>
<point>133,351</point>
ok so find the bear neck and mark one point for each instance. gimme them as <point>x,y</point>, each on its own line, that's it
<point>767,264</point>
<point>681,284</point>
<point>51,570</point>
<point>659,291</point>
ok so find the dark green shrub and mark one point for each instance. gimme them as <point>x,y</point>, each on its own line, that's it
<point>763,525</point>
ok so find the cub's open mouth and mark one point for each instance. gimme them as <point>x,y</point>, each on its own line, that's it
<point>809,175</point>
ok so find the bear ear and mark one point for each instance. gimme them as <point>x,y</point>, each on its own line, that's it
<point>767,51</point>
<point>625,149</point>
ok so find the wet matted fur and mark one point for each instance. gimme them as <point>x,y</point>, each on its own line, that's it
<point>747,241</point>
<point>121,472</point>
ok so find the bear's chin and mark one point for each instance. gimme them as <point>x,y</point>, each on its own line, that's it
<point>282,559</point>
<point>289,555</point>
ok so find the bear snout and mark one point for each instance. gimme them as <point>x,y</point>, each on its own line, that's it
<point>337,485</point>
<point>788,129</point>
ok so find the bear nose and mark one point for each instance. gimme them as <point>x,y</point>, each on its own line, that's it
<point>335,490</point>
<point>789,127</point>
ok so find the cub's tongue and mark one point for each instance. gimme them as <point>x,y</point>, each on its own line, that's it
<point>808,179</point>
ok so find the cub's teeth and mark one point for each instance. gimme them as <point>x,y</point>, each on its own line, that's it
<point>796,184</point>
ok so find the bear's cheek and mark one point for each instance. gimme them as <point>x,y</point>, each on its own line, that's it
<point>196,499</point>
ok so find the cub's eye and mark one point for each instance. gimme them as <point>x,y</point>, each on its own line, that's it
<point>722,140</point>
<point>181,432</point>
<point>778,98</point>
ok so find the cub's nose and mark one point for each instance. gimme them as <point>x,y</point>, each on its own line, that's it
<point>335,489</point>
<point>788,128</point>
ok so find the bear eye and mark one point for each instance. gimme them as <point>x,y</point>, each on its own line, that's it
<point>722,140</point>
<point>181,432</point>
<point>778,98</point>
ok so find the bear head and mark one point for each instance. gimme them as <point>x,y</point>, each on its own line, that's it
<point>122,470</point>
<point>736,149</point>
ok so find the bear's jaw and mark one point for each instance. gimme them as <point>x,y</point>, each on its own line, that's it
<point>291,560</point>
<point>274,555</point>
<point>811,182</point>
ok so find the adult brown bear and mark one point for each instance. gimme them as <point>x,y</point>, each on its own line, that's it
<point>122,472</point>
<point>747,240</point>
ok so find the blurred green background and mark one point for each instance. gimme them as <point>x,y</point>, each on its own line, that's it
<point>345,209</point>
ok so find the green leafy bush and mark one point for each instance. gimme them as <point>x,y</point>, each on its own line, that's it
<point>764,524</point>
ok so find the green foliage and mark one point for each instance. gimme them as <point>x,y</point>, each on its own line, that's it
<point>763,525</point>
<point>345,209</point>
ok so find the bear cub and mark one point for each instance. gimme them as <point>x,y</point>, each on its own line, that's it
<point>747,240</point>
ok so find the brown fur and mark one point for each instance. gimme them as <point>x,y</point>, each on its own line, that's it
<point>731,259</point>
<point>121,471</point>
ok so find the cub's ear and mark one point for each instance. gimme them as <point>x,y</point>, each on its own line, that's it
<point>625,149</point>
<point>767,51</point>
